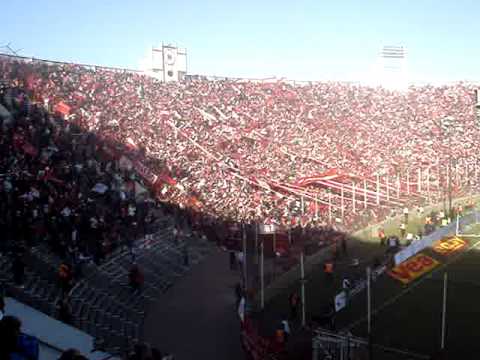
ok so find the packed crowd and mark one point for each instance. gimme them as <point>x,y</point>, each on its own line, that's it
<point>221,145</point>
<point>59,188</point>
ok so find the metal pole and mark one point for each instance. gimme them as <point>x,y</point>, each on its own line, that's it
<point>262,282</point>
<point>290,234</point>
<point>428,184</point>
<point>457,227</point>
<point>444,311</point>
<point>353,197</point>
<point>388,187</point>
<point>302,279</point>
<point>378,189</point>
<point>330,207</point>
<point>419,180</point>
<point>467,173</point>
<point>316,207</point>
<point>475,173</point>
<point>274,243</point>
<point>256,244</point>
<point>302,202</point>
<point>439,173</point>
<point>449,186</point>
<point>364,194</point>
<point>244,240</point>
<point>398,186</point>
<point>342,202</point>
<point>408,182</point>
<point>369,312</point>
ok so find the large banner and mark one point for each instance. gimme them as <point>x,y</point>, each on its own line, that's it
<point>413,268</point>
<point>450,245</point>
<point>341,299</point>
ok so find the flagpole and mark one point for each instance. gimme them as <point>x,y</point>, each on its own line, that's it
<point>262,283</point>
<point>364,194</point>
<point>244,240</point>
<point>408,182</point>
<point>256,243</point>
<point>330,207</point>
<point>342,202</point>
<point>444,310</point>
<point>419,181</point>
<point>302,203</point>
<point>369,312</point>
<point>353,197</point>
<point>302,279</point>
<point>388,187</point>
<point>398,185</point>
<point>428,184</point>
<point>476,172</point>
<point>457,226</point>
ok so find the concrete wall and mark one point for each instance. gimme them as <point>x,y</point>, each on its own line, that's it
<point>53,335</point>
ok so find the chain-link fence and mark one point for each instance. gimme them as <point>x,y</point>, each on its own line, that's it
<point>328,345</point>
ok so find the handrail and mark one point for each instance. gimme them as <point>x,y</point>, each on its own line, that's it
<point>56,62</point>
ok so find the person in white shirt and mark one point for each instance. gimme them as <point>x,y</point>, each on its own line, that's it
<point>405,214</point>
<point>403,229</point>
<point>286,328</point>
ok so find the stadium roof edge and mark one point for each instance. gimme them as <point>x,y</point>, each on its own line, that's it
<point>238,79</point>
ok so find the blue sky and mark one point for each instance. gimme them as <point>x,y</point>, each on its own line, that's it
<point>302,39</point>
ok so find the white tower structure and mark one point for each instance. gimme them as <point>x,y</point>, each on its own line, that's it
<point>166,63</point>
<point>391,68</point>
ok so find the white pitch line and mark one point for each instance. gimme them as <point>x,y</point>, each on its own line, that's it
<point>411,287</point>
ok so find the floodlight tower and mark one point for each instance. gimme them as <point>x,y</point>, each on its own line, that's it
<point>392,72</point>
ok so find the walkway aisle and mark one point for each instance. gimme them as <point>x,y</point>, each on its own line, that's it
<point>196,318</point>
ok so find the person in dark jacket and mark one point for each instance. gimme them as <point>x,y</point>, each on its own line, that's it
<point>18,269</point>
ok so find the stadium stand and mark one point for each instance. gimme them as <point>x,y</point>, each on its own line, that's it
<point>89,153</point>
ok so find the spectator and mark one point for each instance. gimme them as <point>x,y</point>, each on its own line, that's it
<point>233,261</point>
<point>64,311</point>
<point>294,301</point>
<point>135,278</point>
<point>18,269</point>
<point>239,293</point>
<point>403,229</point>
<point>405,215</point>
<point>186,257</point>
<point>328,271</point>
<point>2,305</point>
<point>65,278</point>
<point>382,236</point>
<point>72,354</point>
<point>16,345</point>
<point>286,328</point>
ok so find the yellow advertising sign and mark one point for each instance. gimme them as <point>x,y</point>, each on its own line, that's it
<point>450,245</point>
<point>413,268</point>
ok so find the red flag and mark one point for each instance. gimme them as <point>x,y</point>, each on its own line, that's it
<point>62,108</point>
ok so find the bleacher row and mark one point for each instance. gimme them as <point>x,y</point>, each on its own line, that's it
<point>103,304</point>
